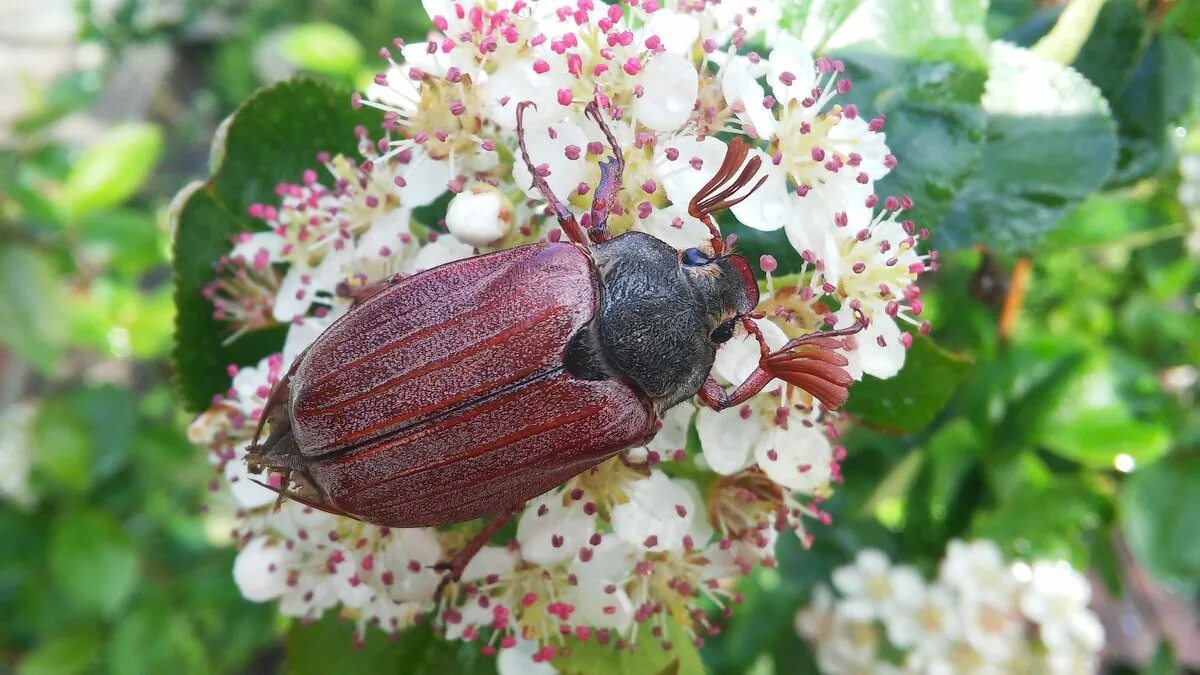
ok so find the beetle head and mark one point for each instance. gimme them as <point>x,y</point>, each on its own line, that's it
<point>725,287</point>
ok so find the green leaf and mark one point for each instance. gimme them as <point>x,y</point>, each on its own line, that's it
<point>274,136</point>
<point>322,47</point>
<point>328,646</point>
<point>1156,96</point>
<point>1095,437</point>
<point>112,169</point>
<point>62,654</point>
<point>1164,660</point>
<point>926,78</point>
<point>902,28</point>
<point>584,658</point>
<point>908,402</point>
<point>815,21</point>
<point>1051,141</point>
<point>935,126</point>
<point>93,560</point>
<point>1113,47</point>
<point>1049,520</point>
<point>64,450</point>
<point>32,321</point>
<point>1159,512</point>
<point>157,638</point>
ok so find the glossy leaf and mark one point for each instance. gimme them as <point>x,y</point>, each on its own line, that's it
<point>1159,512</point>
<point>1097,437</point>
<point>112,169</point>
<point>908,402</point>
<point>328,646</point>
<point>322,47</point>
<point>1051,141</point>
<point>272,137</point>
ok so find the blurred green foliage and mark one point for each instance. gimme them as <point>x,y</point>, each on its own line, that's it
<point>1052,409</point>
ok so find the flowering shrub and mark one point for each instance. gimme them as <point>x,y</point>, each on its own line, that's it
<point>980,615</point>
<point>645,539</point>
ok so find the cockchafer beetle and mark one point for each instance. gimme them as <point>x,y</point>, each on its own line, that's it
<point>465,390</point>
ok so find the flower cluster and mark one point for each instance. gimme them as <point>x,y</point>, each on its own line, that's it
<point>981,615</point>
<point>635,544</point>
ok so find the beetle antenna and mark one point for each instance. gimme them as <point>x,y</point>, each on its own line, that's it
<point>719,192</point>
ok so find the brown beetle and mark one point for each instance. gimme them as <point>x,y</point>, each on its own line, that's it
<point>468,389</point>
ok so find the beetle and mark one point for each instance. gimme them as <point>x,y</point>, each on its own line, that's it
<point>465,390</point>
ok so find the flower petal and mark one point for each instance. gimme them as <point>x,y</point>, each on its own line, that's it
<point>791,58</point>
<point>259,570</point>
<point>659,512</point>
<point>550,532</point>
<point>799,458</point>
<point>565,173</point>
<point>726,438</point>
<point>739,357</point>
<point>670,85</point>
<point>446,249</point>
<point>741,89</point>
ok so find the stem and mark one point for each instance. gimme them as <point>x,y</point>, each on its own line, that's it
<point>1015,298</point>
<point>1074,25</point>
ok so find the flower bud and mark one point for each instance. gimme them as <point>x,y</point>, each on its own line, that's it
<point>479,216</point>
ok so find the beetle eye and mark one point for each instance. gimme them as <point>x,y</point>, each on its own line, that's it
<point>694,257</point>
<point>723,332</point>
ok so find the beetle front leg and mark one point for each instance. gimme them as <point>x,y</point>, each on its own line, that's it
<point>455,566</point>
<point>810,362</point>
<point>566,219</point>
<point>611,172</point>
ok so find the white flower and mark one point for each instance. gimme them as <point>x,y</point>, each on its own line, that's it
<point>657,516</point>
<point>670,83</point>
<point>928,623</point>
<point>815,622</point>
<point>1056,599</point>
<point>813,145</point>
<point>556,149</point>
<point>491,560</point>
<point>519,660</point>
<point>875,589</point>
<point>446,249</point>
<point>976,568</point>
<point>677,31</point>
<point>16,422</point>
<point>673,225</point>
<point>991,625</point>
<point>479,216</point>
<point>551,532</point>
<point>599,595</point>
<point>879,349</point>
<point>414,551</point>
<point>799,457</point>
<point>686,163</point>
<point>259,570</point>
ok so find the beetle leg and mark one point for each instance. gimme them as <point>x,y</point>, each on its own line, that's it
<point>718,192</point>
<point>458,562</point>
<point>810,362</point>
<point>566,219</point>
<point>611,171</point>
